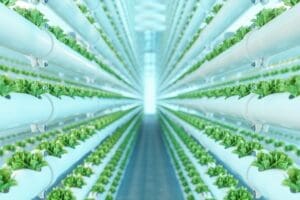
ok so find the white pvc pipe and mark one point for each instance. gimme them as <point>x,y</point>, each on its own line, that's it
<point>261,43</point>
<point>30,40</point>
<point>96,8</point>
<point>268,183</point>
<point>90,181</point>
<point>198,17</point>
<point>56,166</point>
<point>275,109</point>
<point>230,11</point>
<point>73,16</point>
<point>24,110</point>
<point>202,170</point>
<point>264,184</point>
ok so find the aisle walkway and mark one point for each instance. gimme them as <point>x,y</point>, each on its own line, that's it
<point>150,175</point>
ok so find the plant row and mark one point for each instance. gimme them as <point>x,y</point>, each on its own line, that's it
<point>263,160</point>
<point>35,75</point>
<point>259,76</point>
<point>81,174</point>
<point>38,19</point>
<point>56,147</point>
<point>85,11</point>
<point>115,28</point>
<point>223,180</point>
<point>190,179</point>
<point>215,10</point>
<point>109,180</point>
<point>37,88</point>
<point>262,18</point>
<point>262,88</point>
<point>41,138</point>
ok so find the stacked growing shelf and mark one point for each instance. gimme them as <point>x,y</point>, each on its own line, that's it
<point>136,99</point>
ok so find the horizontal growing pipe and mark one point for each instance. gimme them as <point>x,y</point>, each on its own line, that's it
<point>199,16</point>
<point>81,193</point>
<point>56,166</point>
<point>202,169</point>
<point>32,41</point>
<point>258,180</point>
<point>96,8</point>
<point>24,110</point>
<point>72,15</point>
<point>227,15</point>
<point>275,109</point>
<point>258,44</point>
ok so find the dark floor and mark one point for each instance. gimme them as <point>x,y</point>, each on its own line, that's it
<point>150,175</point>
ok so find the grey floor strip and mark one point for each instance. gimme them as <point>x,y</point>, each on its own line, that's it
<point>150,175</point>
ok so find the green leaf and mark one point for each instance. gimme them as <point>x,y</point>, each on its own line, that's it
<point>293,181</point>
<point>272,160</point>
<point>61,194</point>
<point>74,181</point>
<point>26,160</point>
<point>53,148</point>
<point>239,194</point>
<point>6,180</point>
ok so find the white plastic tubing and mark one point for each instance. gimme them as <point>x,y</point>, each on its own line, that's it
<point>267,183</point>
<point>24,110</point>
<point>275,109</point>
<point>82,193</point>
<point>226,16</point>
<point>218,193</point>
<point>32,41</point>
<point>261,43</point>
<point>95,7</point>
<point>34,183</point>
<point>73,16</point>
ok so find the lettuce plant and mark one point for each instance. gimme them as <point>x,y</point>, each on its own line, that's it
<point>21,144</point>
<point>10,147</point>
<point>8,2</point>
<point>68,140</point>
<point>293,86</point>
<point>293,181</point>
<point>206,159</point>
<point>74,181</point>
<point>98,188</point>
<point>33,15</point>
<point>83,171</point>
<point>5,86</point>
<point>291,2</point>
<point>290,147</point>
<point>279,144</point>
<point>226,181</point>
<point>247,148</point>
<point>266,15</point>
<point>26,160</point>
<point>272,160</point>
<point>109,197</point>
<point>232,140</point>
<point>6,180</point>
<point>61,194</point>
<point>94,159</point>
<point>217,8</point>
<point>216,171</point>
<point>53,148</point>
<point>239,194</point>
<point>201,188</point>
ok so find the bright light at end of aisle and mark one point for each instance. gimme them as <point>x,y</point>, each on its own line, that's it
<point>149,95</point>
<point>149,83</point>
